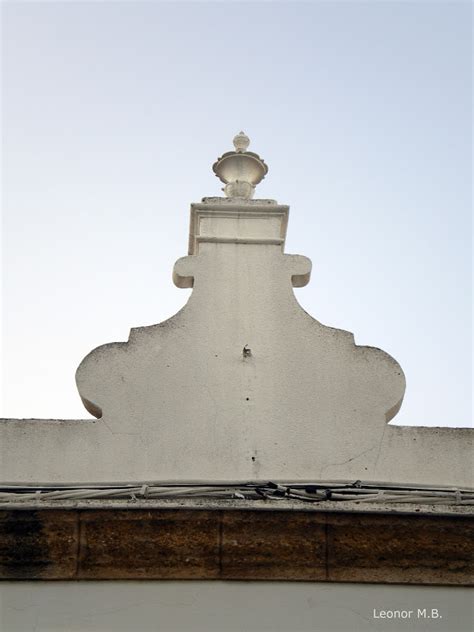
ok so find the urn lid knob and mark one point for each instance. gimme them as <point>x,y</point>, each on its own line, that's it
<point>241,142</point>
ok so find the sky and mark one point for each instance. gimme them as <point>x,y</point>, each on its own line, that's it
<point>113,113</point>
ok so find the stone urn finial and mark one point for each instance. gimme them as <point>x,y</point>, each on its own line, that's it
<point>241,142</point>
<point>240,170</point>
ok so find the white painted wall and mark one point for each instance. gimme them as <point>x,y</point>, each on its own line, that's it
<point>186,606</point>
<point>181,400</point>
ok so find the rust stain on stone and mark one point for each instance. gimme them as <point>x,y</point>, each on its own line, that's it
<point>276,545</point>
<point>37,544</point>
<point>236,544</point>
<point>149,544</point>
<point>409,549</point>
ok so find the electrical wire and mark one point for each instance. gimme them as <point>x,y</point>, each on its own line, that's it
<point>305,492</point>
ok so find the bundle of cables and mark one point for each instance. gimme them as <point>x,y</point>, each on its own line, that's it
<point>355,491</point>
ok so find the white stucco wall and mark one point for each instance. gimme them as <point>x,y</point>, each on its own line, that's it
<point>241,384</point>
<point>227,607</point>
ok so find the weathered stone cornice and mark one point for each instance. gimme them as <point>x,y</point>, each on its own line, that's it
<point>227,543</point>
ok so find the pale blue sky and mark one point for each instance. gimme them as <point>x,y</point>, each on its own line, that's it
<point>113,114</point>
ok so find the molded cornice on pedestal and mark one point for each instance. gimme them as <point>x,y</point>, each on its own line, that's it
<point>237,221</point>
